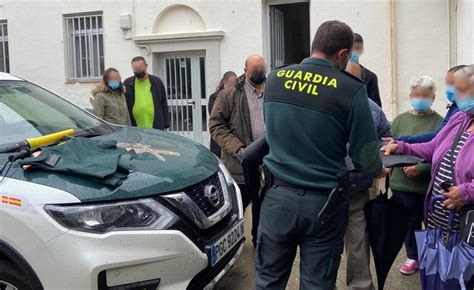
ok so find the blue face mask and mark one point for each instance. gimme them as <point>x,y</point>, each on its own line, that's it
<point>466,104</point>
<point>451,94</point>
<point>421,105</point>
<point>114,85</point>
<point>354,58</point>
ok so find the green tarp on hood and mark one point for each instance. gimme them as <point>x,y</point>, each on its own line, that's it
<point>166,163</point>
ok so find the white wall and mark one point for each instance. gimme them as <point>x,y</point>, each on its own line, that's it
<point>421,43</point>
<point>369,18</point>
<point>422,39</point>
<point>465,30</point>
<point>36,36</point>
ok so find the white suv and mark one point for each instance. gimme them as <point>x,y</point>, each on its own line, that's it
<point>176,222</point>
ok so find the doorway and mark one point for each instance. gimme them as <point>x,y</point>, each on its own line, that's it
<point>183,74</point>
<point>289,33</point>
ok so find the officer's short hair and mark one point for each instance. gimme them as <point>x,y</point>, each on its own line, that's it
<point>358,38</point>
<point>423,82</point>
<point>331,37</point>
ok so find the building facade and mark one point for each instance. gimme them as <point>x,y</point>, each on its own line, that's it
<point>65,45</point>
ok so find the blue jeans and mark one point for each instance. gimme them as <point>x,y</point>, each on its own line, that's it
<point>415,203</point>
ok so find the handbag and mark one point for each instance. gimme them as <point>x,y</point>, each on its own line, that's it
<point>466,214</point>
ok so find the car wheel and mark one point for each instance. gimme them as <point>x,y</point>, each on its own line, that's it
<point>11,278</point>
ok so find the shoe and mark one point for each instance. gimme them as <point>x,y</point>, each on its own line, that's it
<point>409,267</point>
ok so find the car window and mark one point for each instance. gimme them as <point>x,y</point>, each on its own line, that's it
<point>27,110</point>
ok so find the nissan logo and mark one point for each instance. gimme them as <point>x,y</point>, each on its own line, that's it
<point>211,192</point>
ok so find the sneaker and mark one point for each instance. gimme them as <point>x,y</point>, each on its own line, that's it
<point>409,267</point>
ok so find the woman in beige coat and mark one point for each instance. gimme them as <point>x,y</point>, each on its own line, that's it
<point>108,99</point>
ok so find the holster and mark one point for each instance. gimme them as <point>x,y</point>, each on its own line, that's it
<point>339,196</point>
<point>266,180</point>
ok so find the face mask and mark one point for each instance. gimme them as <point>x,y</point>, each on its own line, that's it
<point>258,77</point>
<point>355,57</point>
<point>114,85</point>
<point>139,74</point>
<point>466,104</point>
<point>421,105</point>
<point>451,94</point>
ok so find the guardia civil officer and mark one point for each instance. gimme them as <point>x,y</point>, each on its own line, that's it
<point>312,110</point>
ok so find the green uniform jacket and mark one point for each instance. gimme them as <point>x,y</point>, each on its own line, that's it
<point>312,110</point>
<point>110,105</point>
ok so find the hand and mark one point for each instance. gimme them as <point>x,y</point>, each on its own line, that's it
<point>385,172</point>
<point>454,198</point>
<point>389,140</point>
<point>390,148</point>
<point>410,171</point>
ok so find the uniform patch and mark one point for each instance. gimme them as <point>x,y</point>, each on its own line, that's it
<point>305,81</point>
<point>11,200</point>
<point>140,148</point>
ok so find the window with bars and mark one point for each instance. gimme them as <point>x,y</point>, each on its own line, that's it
<point>4,54</point>
<point>85,46</point>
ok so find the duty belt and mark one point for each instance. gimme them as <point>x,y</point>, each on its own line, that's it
<point>280,182</point>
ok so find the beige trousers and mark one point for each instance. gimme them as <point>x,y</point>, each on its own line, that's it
<point>358,276</point>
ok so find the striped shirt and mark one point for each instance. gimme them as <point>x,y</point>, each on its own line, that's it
<point>255,103</point>
<point>440,215</point>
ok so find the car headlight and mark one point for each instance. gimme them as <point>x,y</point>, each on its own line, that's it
<point>143,214</point>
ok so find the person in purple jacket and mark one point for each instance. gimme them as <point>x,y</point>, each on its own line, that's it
<point>454,145</point>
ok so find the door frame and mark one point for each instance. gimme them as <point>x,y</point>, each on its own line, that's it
<point>197,102</point>
<point>208,41</point>
<point>267,54</point>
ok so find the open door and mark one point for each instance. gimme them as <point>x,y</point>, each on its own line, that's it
<point>289,33</point>
<point>277,37</point>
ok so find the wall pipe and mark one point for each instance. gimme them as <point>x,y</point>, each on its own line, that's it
<point>393,51</point>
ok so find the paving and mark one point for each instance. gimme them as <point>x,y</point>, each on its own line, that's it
<point>242,275</point>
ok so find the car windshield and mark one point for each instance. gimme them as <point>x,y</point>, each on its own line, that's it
<point>27,110</point>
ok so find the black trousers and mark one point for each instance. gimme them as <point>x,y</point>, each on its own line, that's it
<point>289,220</point>
<point>256,204</point>
<point>415,203</point>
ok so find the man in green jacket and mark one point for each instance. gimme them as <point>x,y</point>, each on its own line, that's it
<point>312,110</point>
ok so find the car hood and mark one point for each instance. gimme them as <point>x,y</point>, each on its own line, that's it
<point>166,163</point>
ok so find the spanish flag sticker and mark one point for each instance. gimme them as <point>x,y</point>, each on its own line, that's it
<point>11,200</point>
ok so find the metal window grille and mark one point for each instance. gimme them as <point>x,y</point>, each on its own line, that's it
<point>85,46</point>
<point>4,53</point>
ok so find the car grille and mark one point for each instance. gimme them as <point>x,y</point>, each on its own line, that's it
<point>196,193</point>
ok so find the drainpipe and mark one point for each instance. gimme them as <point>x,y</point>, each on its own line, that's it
<point>452,32</point>
<point>393,60</point>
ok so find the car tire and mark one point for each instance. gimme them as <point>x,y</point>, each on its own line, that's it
<point>11,278</point>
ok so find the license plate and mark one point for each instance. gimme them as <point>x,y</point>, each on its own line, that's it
<point>220,248</point>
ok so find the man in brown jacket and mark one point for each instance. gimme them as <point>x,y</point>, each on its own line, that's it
<point>237,120</point>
